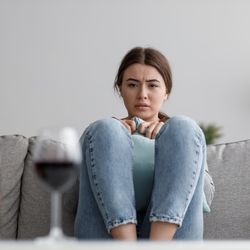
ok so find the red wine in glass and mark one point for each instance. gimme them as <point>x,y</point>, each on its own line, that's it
<point>57,175</point>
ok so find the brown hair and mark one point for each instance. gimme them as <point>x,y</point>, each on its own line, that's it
<point>147,56</point>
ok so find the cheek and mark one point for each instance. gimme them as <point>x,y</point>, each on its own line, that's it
<point>158,97</point>
<point>128,94</point>
<point>127,98</point>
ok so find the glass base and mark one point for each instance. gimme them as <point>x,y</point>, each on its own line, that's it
<point>55,236</point>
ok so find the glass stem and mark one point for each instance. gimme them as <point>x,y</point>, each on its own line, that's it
<point>56,214</point>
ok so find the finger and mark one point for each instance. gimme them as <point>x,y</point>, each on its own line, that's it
<point>132,125</point>
<point>143,127</point>
<point>150,129</point>
<point>156,130</point>
<point>126,125</point>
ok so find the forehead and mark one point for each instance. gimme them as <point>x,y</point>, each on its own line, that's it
<point>142,71</point>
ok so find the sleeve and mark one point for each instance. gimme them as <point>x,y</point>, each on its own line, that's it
<point>209,187</point>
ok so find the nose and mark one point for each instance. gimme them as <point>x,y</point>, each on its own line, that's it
<point>142,93</point>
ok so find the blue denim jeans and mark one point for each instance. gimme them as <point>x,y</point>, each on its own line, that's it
<point>106,195</point>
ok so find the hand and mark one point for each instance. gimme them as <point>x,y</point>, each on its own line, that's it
<point>129,124</point>
<point>150,129</point>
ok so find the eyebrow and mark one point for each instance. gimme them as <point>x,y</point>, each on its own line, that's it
<point>150,80</point>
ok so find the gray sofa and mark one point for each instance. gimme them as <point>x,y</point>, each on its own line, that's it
<point>25,205</point>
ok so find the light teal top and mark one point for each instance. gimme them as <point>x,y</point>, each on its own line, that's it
<point>143,168</point>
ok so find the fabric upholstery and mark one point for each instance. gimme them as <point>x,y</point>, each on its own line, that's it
<point>229,165</point>
<point>13,150</point>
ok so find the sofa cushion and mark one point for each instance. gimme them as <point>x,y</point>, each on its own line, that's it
<point>13,149</point>
<point>34,217</point>
<point>229,164</point>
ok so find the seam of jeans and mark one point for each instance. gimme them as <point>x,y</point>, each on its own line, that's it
<point>93,174</point>
<point>115,223</point>
<point>198,150</point>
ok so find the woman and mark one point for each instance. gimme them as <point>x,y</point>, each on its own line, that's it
<point>108,206</point>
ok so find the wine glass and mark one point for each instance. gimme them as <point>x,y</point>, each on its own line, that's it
<point>57,157</point>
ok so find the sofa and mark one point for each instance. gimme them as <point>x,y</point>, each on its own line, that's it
<point>25,205</point>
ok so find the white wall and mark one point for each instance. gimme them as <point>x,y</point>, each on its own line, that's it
<point>58,60</point>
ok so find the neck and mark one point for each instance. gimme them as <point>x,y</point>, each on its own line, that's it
<point>152,119</point>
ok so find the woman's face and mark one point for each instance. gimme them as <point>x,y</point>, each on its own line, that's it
<point>143,91</point>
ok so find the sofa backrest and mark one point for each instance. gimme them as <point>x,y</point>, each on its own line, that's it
<point>25,205</point>
<point>13,150</point>
<point>229,164</point>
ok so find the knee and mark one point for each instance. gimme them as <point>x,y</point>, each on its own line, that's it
<point>183,126</point>
<point>104,127</point>
<point>107,125</point>
<point>182,122</point>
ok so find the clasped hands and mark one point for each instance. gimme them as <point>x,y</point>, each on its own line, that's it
<point>149,129</point>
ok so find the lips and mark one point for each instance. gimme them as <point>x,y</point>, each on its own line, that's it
<point>142,105</point>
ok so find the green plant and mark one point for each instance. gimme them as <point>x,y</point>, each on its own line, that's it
<point>211,131</point>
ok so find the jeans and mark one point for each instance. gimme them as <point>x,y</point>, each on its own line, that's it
<point>106,197</point>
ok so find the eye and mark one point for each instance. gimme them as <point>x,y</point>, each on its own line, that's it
<point>153,85</point>
<point>132,85</point>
